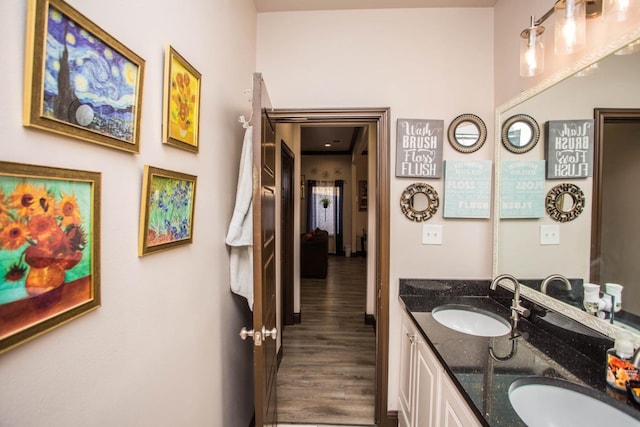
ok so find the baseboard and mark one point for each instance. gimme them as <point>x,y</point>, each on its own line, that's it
<point>369,319</point>
<point>392,418</point>
<point>279,356</point>
<point>297,318</point>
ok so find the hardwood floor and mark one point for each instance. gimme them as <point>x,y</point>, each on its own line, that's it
<point>327,375</point>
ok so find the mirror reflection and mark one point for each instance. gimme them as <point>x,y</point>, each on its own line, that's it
<point>467,134</point>
<point>614,87</point>
<point>419,202</point>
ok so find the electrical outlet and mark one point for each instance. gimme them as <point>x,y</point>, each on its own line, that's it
<point>550,234</point>
<point>431,234</point>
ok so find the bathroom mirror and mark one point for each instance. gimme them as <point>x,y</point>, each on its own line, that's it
<point>520,133</point>
<point>419,202</point>
<point>615,85</point>
<point>467,133</point>
<point>564,202</point>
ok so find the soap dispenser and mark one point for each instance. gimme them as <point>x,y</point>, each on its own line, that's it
<point>620,368</point>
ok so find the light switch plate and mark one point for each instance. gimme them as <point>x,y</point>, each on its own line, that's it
<point>550,234</point>
<point>431,234</point>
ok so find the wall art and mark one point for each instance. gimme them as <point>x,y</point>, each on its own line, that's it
<point>565,202</point>
<point>363,199</point>
<point>80,81</point>
<point>167,210</point>
<point>419,202</point>
<point>467,189</point>
<point>522,189</point>
<point>181,102</point>
<point>419,148</point>
<point>49,249</point>
<point>569,148</point>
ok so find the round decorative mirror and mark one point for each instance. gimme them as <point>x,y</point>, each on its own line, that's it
<point>419,202</point>
<point>565,202</point>
<point>520,133</point>
<point>467,133</point>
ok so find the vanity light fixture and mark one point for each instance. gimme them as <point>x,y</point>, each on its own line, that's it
<point>532,50</point>
<point>569,31</point>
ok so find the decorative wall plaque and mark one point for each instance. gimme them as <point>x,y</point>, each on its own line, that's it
<point>419,148</point>
<point>569,148</point>
<point>467,189</point>
<point>522,189</point>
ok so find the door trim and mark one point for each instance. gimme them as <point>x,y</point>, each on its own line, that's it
<point>602,116</point>
<point>381,116</point>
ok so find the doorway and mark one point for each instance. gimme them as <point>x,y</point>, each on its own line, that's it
<point>378,236</point>
<point>615,230</point>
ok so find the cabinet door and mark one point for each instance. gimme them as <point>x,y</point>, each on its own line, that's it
<point>407,357</point>
<point>454,411</point>
<point>427,387</point>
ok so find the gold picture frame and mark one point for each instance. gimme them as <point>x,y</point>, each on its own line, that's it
<point>181,102</point>
<point>49,249</point>
<point>167,210</point>
<point>79,81</point>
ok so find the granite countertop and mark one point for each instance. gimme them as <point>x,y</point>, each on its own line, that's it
<point>540,346</point>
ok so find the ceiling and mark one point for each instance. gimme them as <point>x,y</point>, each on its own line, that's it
<point>341,139</point>
<point>300,5</point>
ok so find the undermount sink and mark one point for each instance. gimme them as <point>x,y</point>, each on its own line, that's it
<point>542,401</point>
<point>471,320</point>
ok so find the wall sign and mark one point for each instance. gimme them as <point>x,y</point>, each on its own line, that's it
<point>522,189</point>
<point>467,189</point>
<point>419,148</point>
<point>569,147</point>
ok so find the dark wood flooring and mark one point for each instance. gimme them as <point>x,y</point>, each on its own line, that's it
<point>327,374</point>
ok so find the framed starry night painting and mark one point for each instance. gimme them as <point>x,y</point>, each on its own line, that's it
<point>80,81</point>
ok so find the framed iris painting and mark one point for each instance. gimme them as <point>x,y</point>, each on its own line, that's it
<point>181,102</point>
<point>49,249</point>
<point>167,208</point>
<point>79,81</point>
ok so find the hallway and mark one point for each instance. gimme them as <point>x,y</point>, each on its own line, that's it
<point>327,373</point>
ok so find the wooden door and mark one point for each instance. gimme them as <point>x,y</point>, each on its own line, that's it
<point>264,251</point>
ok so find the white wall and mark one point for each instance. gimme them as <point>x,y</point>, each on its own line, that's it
<point>423,63</point>
<point>163,348</point>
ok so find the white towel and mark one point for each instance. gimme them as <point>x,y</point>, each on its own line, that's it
<point>240,233</point>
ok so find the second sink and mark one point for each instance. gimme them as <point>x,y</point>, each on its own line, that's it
<point>471,320</point>
<point>541,401</point>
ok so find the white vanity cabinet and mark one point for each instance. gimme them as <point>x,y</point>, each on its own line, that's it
<point>428,397</point>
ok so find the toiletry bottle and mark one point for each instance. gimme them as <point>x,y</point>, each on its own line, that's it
<point>619,366</point>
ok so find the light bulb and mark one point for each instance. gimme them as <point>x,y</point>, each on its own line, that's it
<point>570,26</point>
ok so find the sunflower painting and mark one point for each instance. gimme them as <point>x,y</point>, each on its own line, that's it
<point>48,223</point>
<point>181,102</point>
<point>167,210</point>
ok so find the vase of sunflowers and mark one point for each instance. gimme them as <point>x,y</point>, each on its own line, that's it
<point>44,228</point>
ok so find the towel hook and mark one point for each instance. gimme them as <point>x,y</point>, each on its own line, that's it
<point>242,119</point>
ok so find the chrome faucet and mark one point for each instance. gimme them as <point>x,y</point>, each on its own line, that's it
<point>553,277</point>
<point>516,308</point>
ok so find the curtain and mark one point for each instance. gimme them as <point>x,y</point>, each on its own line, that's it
<point>324,209</point>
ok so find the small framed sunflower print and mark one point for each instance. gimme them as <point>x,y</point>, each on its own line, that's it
<point>49,249</point>
<point>181,102</point>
